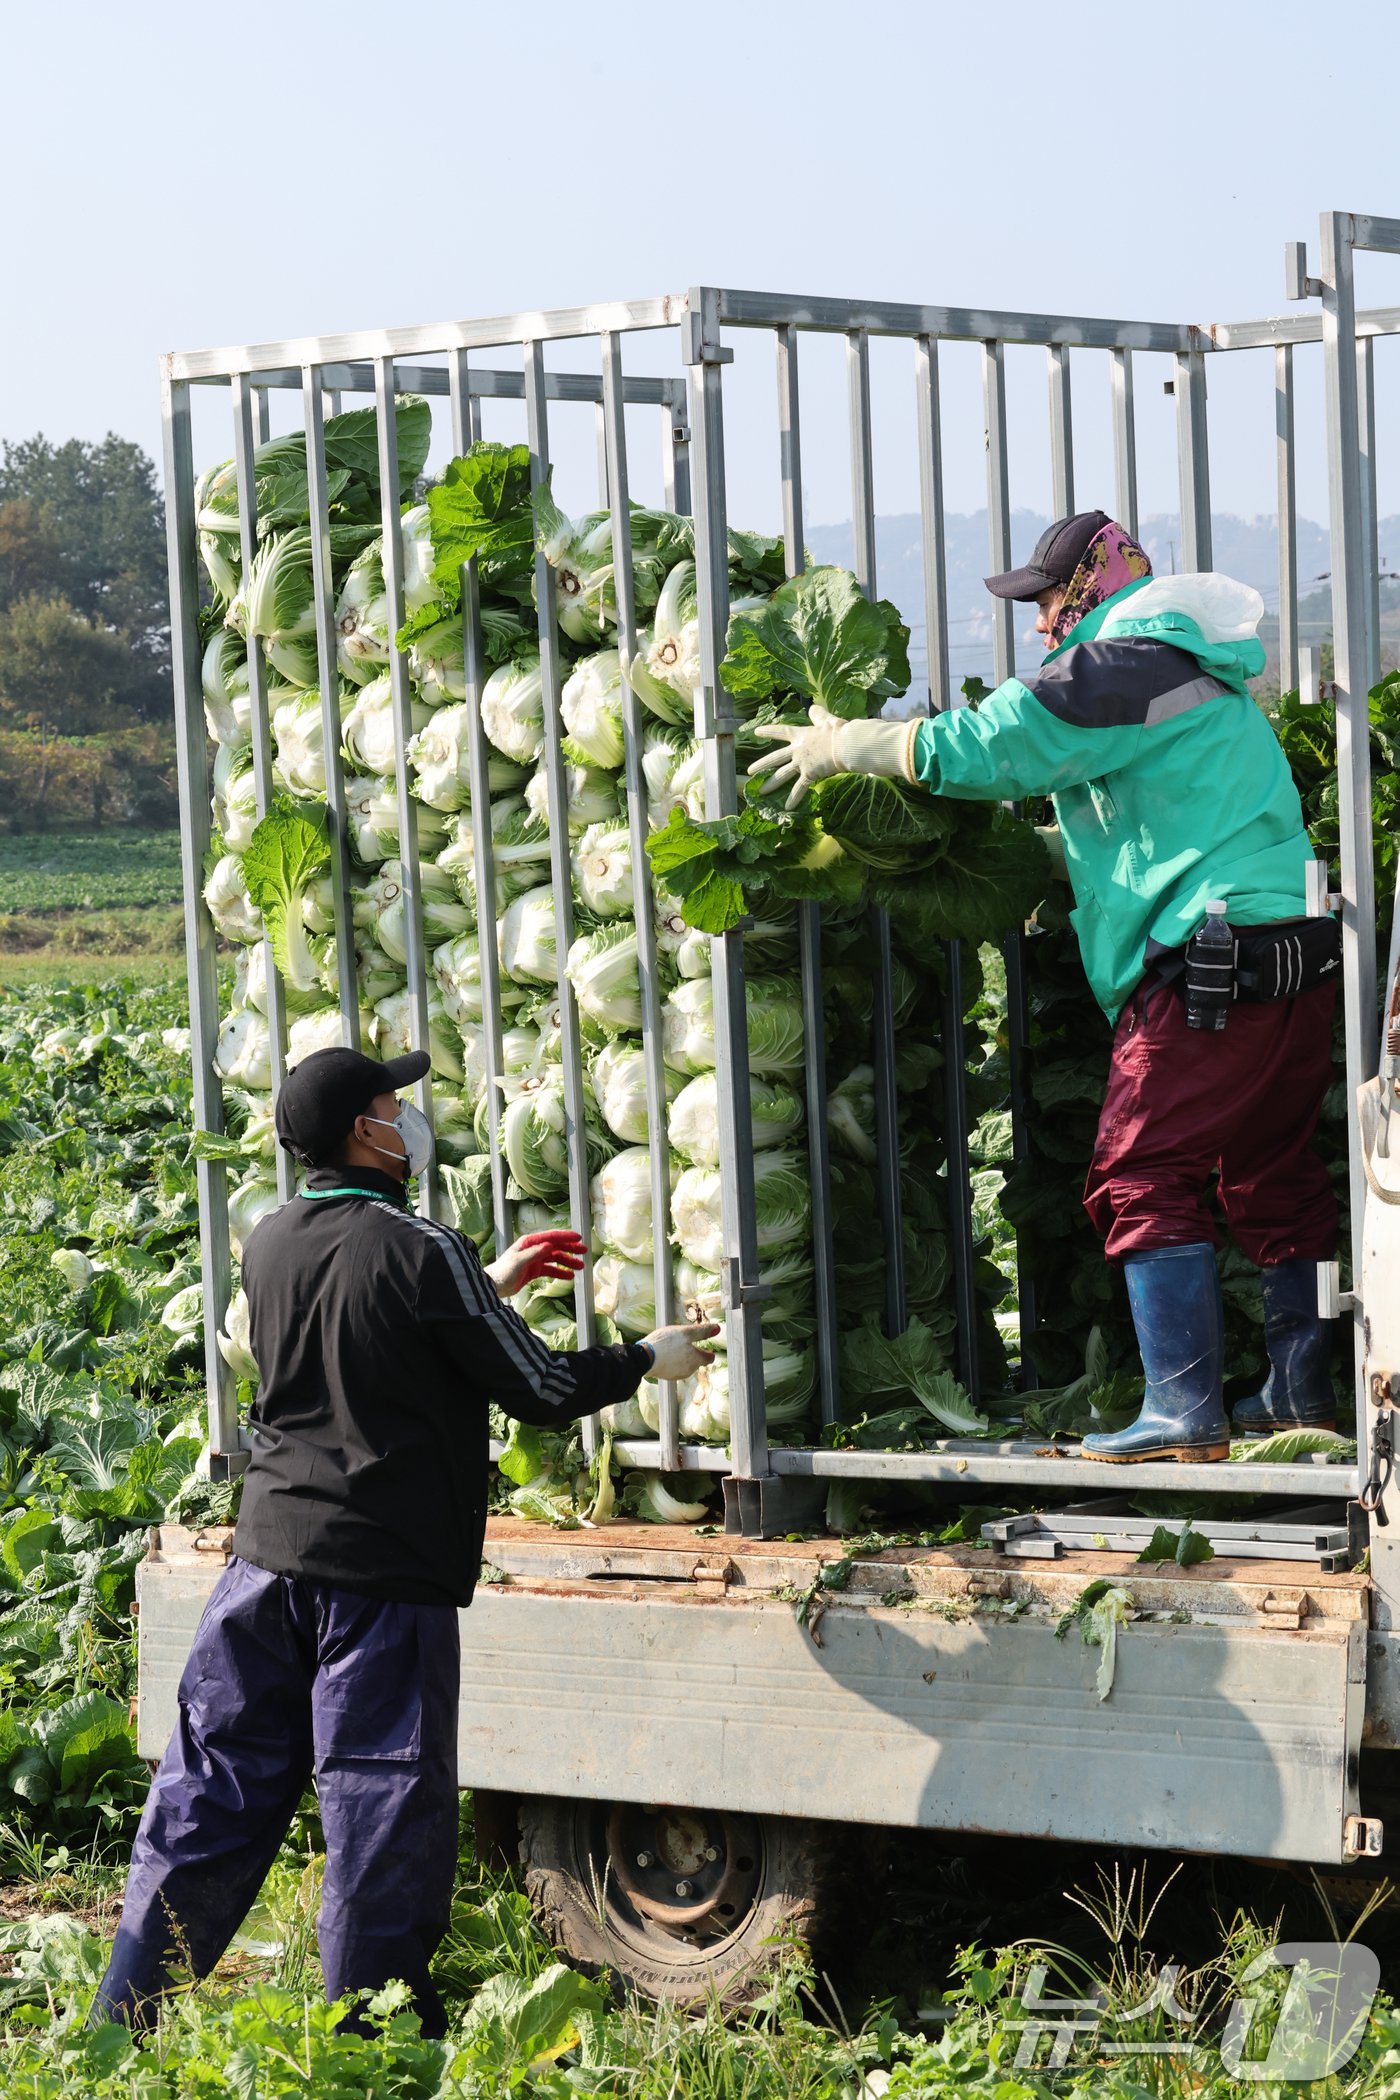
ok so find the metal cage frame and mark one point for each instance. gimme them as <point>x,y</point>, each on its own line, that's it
<point>763,1479</point>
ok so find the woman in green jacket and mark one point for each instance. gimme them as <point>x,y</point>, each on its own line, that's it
<point>1170,791</point>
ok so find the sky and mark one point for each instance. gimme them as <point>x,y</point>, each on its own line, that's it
<point>179,176</point>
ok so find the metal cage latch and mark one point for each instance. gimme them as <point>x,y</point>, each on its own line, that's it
<point>1362,1837</point>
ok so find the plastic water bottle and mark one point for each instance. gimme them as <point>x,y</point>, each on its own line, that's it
<point>1210,970</point>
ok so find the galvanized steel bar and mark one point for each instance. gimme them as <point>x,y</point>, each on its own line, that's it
<point>882,1018</point>
<point>262,421</point>
<point>955,323</point>
<point>561,871</point>
<point>935,544</point>
<point>1125,490</point>
<point>375,344</point>
<point>347,979</point>
<point>260,733</point>
<point>464,395</point>
<point>1061,431</point>
<point>1367,230</point>
<point>1350,586</point>
<point>600,440</point>
<point>998,505</point>
<point>416,960</point>
<point>715,723</point>
<point>1370,523</point>
<point>192,767</point>
<point>956,1119</point>
<point>634,720</point>
<point>809,933</point>
<point>1004,663</point>
<point>1287,518</point>
<point>483,383</point>
<point>862,461</point>
<point>1293,328</point>
<point>966,1462</point>
<point>465,430</point>
<point>689,1458</point>
<point>675,457</point>
<point>1193,460</point>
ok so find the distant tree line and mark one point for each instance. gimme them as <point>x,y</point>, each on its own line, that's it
<point>86,732</point>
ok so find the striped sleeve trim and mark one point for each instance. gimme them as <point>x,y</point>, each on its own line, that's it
<point>544,1372</point>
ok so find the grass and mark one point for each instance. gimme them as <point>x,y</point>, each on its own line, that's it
<point>81,907</point>
<point>88,871</point>
<point>521,2025</point>
<point>53,969</point>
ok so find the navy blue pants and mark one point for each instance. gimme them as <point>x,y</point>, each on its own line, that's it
<point>288,1679</point>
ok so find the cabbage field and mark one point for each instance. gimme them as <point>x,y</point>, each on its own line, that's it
<point>101,1424</point>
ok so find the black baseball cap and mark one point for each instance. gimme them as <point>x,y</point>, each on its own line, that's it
<point>1058,553</point>
<point>322,1096</point>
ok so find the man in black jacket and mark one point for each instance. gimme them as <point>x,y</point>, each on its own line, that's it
<point>330,1645</point>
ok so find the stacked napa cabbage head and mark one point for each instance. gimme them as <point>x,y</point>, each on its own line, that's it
<point>269,890</point>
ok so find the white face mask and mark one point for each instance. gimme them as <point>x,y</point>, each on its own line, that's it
<point>415,1134</point>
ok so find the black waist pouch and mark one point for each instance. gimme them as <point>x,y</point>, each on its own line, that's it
<point>1286,957</point>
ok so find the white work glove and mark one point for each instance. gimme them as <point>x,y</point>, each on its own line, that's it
<point>674,1354</point>
<point>827,744</point>
<point>1055,847</point>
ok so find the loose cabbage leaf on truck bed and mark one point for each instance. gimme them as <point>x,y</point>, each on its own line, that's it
<point>873,1362</point>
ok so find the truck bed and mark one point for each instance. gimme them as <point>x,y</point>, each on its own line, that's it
<point>912,1687</point>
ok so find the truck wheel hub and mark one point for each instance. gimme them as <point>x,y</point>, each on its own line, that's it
<point>694,1872</point>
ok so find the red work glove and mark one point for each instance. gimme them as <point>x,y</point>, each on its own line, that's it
<point>557,1253</point>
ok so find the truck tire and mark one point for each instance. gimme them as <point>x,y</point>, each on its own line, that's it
<point>683,1905</point>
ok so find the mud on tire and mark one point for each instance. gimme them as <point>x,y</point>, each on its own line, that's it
<point>681,1904</point>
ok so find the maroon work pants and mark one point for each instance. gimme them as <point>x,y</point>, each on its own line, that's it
<point>1182,1103</point>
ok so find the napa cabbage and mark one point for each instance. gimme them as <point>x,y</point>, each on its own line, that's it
<point>224,678</point>
<point>619,1078</point>
<point>625,1292</point>
<point>602,968</point>
<point>368,728</point>
<point>592,796</point>
<point>286,854</point>
<point>526,936</point>
<point>782,1208</point>
<point>230,907</point>
<point>243,1050</point>
<point>776,1113</point>
<point>512,709</point>
<point>620,1196</point>
<point>591,704</point>
<point>391,1032</point>
<point>602,863</point>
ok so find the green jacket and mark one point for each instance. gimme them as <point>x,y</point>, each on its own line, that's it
<point>1168,783</point>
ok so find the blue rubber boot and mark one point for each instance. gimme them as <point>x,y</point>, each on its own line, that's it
<point>1175,1298</point>
<point>1297,1394</point>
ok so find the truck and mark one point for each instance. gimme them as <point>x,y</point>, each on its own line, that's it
<point>685,1735</point>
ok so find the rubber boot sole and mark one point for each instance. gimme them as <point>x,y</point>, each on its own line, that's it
<point>1187,1454</point>
<point>1282,1428</point>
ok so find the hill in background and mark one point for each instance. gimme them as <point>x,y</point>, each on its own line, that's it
<point>1246,548</point>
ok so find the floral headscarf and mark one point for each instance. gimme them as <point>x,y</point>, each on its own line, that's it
<point>1111,559</point>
